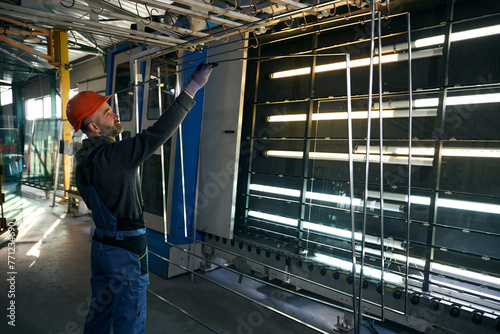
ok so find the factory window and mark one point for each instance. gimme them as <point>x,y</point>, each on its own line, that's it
<point>5,95</point>
<point>43,108</point>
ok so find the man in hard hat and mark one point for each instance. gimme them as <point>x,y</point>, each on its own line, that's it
<point>107,179</point>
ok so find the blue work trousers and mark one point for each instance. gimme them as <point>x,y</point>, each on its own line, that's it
<point>118,291</point>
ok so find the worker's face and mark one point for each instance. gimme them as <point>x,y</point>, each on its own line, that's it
<point>107,121</point>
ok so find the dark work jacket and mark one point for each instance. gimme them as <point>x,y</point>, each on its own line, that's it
<point>115,171</point>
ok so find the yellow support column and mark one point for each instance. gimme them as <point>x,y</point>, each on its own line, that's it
<point>61,57</point>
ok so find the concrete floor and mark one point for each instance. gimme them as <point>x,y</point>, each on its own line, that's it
<point>52,288</point>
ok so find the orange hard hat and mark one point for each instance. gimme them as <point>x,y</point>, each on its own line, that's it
<point>83,105</point>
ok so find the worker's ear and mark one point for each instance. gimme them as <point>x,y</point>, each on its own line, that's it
<point>93,127</point>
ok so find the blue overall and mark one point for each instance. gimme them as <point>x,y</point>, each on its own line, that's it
<point>119,271</point>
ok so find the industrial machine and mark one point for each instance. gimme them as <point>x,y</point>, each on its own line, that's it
<point>356,161</point>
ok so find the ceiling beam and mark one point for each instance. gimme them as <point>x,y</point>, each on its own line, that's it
<point>26,48</point>
<point>210,8</point>
<point>89,26</point>
<point>134,19</point>
<point>18,59</point>
<point>40,31</point>
<point>189,12</point>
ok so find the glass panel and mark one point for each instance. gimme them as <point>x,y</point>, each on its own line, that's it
<point>11,161</point>
<point>41,152</point>
<point>162,75</point>
<point>125,92</point>
<point>162,79</point>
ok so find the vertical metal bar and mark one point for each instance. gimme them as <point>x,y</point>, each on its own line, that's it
<point>136,97</point>
<point>410,135</point>
<point>136,100</point>
<point>436,171</point>
<point>181,151</point>
<point>252,136</point>
<point>306,150</point>
<point>58,166</point>
<point>29,151</point>
<point>381,153</point>
<point>367,165</point>
<point>117,112</point>
<point>351,182</point>
<point>162,158</point>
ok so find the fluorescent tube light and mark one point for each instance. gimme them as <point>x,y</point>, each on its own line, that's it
<point>367,271</point>
<point>472,99</point>
<point>450,101</point>
<point>429,41</point>
<point>424,103</point>
<point>467,205</point>
<point>291,73</point>
<point>464,273</point>
<point>475,33</point>
<point>400,197</point>
<point>346,234</point>
<point>274,190</point>
<point>395,160</point>
<point>322,197</point>
<point>354,115</point>
<point>439,39</point>
<point>441,202</point>
<point>429,151</point>
<point>390,255</point>
<point>355,63</point>
<point>274,218</point>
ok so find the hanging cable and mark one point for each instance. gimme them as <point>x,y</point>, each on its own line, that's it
<point>319,26</point>
<point>95,42</point>
<point>241,35</point>
<point>291,18</point>
<point>127,53</point>
<point>29,29</point>
<point>364,18</point>
<point>305,23</point>
<point>70,6</point>
<point>334,10</point>
<point>272,8</point>
<point>149,13</point>
<point>172,21</point>
<point>235,5</point>
<point>209,28</point>
<point>227,35</point>
<point>162,54</point>
<point>256,41</point>
<point>388,5</point>
<point>190,25</point>
<point>74,37</point>
<point>113,45</point>
<point>255,7</point>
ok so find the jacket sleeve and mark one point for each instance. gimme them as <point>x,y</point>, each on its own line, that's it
<point>131,152</point>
